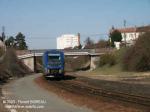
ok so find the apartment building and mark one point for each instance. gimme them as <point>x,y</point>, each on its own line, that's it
<point>68,41</point>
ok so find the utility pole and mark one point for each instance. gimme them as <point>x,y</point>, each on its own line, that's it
<point>135,32</point>
<point>124,22</point>
<point>79,39</point>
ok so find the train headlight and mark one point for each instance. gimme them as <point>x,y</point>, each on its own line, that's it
<point>60,71</point>
<point>47,71</point>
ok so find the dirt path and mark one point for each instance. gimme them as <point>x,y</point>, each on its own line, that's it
<point>25,95</point>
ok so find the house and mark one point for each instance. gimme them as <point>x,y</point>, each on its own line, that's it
<point>130,34</point>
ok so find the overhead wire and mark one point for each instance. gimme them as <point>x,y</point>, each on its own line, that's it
<point>82,35</point>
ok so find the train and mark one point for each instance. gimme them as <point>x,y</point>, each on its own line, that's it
<point>53,63</point>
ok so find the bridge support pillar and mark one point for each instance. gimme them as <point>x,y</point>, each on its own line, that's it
<point>30,63</point>
<point>94,62</point>
<point>34,64</point>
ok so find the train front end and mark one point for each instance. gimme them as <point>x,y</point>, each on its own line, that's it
<point>53,62</point>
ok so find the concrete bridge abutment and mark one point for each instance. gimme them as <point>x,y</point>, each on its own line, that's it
<point>30,59</point>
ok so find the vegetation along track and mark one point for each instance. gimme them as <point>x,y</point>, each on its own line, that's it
<point>81,87</point>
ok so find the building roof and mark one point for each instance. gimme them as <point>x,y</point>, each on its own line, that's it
<point>133,29</point>
<point>127,30</point>
<point>143,28</point>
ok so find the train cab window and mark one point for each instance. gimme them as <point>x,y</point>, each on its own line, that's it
<point>54,61</point>
<point>54,58</point>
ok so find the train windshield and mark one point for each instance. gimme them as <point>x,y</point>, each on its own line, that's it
<point>54,60</point>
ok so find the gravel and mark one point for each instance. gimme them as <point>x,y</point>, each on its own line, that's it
<point>26,89</point>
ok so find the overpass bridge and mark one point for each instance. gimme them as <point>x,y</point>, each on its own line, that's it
<point>28,57</point>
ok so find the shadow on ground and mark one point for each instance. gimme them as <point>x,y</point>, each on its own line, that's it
<point>66,77</point>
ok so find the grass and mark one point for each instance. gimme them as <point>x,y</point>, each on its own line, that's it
<point>114,71</point>
<point>117,69</point>
<point>105,70</point>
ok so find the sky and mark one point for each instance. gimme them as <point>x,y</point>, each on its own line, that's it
<point>42,21</point>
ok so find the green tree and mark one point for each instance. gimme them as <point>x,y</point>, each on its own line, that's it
<point>20,42</point>
<point>115,36</point>
<point>2,38</point>
<point>10,42</point>
<point>78,47</point>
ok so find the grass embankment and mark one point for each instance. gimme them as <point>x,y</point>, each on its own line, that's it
<point>116,71</point>
<point>129,60</point>
<point>114,66</point>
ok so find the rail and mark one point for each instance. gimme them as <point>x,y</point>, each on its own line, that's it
<point>82,87</point>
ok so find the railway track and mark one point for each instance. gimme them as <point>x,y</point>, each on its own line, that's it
<point>81,87</point>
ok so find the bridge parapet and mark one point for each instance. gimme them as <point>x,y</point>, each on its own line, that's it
<point>25,56</point>
<point>67,51</point>
<point>64,50</point>
<point>66,54</point>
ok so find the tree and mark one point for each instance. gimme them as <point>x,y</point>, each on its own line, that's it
<point>115,36</point>
<point>10,42</point>
<point>20,42</point>
<point>102,44</point>
<point>2,38</point>
<point>89,43</point>
<point>78,47</point>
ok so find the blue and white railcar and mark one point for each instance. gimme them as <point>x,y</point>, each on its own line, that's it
<point>53,62</point>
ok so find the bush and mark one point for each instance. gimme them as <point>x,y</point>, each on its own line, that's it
<point>137,57</point>
<point>107,59</point>
<point>119,54</point>
<point>102,44</point>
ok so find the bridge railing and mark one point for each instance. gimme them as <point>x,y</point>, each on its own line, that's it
<point>69,52</point>
<point>64,50</point>
<point>21,52</point>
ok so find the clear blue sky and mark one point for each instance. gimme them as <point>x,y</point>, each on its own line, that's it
<point>41,21</point>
